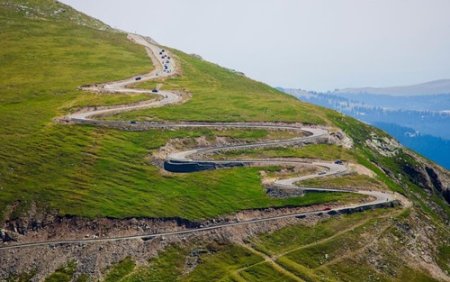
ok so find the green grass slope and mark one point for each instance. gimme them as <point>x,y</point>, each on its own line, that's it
<point>87,171</point>
<point>49,50</point>
<point>219,94</point>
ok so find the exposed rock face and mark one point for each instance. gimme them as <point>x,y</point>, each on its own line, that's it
<point>417,175</point>
<point>385,146</point>
<point>340,138</point>
<point>280,192</point>
<point>6,236</point>
<point>440,180</point>
<point>431,177</point>
<point>93,258</point>
<point>53,227</point>
<point>434,179</point>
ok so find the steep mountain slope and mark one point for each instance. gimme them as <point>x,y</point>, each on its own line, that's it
<point>425,131</point>
<point>71,181</point>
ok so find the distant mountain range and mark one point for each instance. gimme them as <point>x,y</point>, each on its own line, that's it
<point>435,87</point>
<point>420,122</point>
<point>435,103</point>
<point>435,148</point>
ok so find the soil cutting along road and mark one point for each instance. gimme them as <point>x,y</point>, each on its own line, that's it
<point>192,160</point>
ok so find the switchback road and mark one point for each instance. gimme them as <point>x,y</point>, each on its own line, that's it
<point>165,66</point>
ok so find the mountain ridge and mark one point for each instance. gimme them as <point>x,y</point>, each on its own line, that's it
<point>435,87</point>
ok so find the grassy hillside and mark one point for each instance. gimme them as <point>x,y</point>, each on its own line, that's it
<point>49,50</point>
<point>69,168</point>
<point>219,94</point>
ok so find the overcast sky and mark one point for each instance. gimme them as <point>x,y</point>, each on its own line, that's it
<point>309,44</point>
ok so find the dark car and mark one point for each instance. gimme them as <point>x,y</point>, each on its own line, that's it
<point>338,162</point>
<point>133,122</point>
<point>138,78</point>
<point>155,90</point>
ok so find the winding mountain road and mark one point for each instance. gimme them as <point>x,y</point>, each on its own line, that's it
<point>166,67</point>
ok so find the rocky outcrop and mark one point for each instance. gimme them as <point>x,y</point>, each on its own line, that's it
<point>283,192</point>
<point>385,146</point>
<point>431,177</point>
<point>340,138</point>
<point>424,173</point>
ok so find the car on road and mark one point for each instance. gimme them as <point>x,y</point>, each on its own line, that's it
<point>327,209</point>
<point>155,90</point>
<point>338,162</point>
<point>322,172</point>
<point>138,78</point>
<point>133,122</point>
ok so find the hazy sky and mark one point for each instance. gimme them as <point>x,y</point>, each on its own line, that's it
<point>309,44</point>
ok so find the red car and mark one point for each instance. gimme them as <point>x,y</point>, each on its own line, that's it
<point>327,209</point>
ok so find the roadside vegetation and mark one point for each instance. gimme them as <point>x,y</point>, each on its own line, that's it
<point>219,94</point>
<point>63,274</point>
<point>319,152</point>
<point>120,270</point>
<point>333,249</point>
<point>347,181</point>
